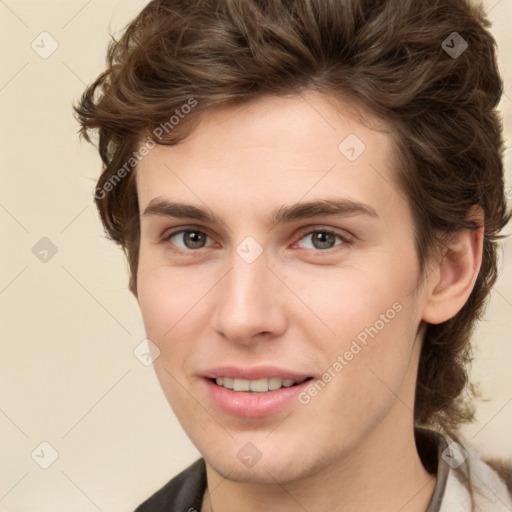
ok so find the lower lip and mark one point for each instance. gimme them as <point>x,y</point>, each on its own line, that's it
<point>253,405</point>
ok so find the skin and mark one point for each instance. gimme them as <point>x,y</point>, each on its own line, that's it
<point>296,306</point>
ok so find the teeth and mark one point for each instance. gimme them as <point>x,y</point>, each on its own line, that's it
<point>259,385</point>
<point>226,382</point>
<point>242,385</point>
<point>274,383</point>
<point>256,386</point>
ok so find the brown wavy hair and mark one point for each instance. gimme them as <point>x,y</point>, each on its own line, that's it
<point>387,56</point>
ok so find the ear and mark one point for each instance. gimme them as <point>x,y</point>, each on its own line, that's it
<point>451,281</point>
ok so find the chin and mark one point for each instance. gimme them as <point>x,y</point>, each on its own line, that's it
<point>263,472</point>
<point>273,461</point>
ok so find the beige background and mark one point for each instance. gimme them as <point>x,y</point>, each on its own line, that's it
<point>68,374</point>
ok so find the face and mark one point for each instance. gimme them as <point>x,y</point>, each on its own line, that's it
<point>277,252</point>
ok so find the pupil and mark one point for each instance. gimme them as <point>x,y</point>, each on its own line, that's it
<point>194,240</point>
<point>323,240</point>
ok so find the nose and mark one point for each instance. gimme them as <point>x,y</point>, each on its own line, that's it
<point>250,302</point>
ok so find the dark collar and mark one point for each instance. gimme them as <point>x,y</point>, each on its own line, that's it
<point>184,493</point>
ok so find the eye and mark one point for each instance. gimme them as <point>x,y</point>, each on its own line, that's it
<point>187,239</point>
<point>322,239</point>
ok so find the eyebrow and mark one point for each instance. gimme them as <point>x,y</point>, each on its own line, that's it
<point>297,211</point>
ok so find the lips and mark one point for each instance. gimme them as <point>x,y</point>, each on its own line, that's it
<point>254,373</point>
<point>253,392</point>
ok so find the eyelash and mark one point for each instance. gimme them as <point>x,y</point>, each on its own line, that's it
<point>345,239</point>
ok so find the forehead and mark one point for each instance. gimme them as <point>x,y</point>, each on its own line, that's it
<point>275,151</point>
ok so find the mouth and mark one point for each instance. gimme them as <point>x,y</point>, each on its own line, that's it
<point>258,397</point>
<point>257,386</point>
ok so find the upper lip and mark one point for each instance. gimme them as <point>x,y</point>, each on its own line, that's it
<point>253,373</point>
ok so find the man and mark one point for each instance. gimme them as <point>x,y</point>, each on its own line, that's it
<point>309,194</point>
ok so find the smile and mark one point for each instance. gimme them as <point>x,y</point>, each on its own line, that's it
<point>257,386</point>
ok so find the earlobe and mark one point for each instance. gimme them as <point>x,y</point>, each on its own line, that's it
<point>451,282</point>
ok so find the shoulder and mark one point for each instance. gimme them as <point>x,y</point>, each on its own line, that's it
<point>503,468</point>
<point>491,479</point>
<point>490,490</point>
<point>183,493</point>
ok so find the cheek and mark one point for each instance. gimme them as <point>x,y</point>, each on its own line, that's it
<point>161,304</point>
<point>372,317</point>
<point>352,302</point>
<point>174,308</point>
<point>166,295</point>
<point>155,303</point>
